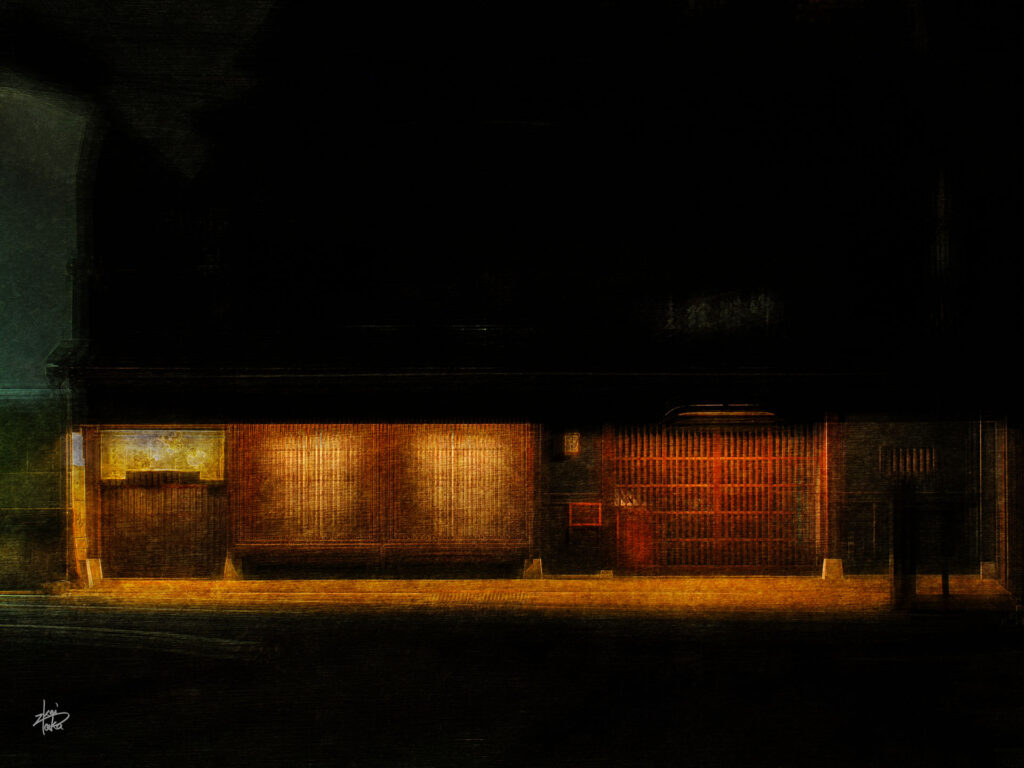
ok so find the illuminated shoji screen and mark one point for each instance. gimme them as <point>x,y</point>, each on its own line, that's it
<point>294,483</point>
<point>459,482</point>
<point>404,483</point>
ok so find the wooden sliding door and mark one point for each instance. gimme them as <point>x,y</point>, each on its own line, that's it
<point>721,497</point>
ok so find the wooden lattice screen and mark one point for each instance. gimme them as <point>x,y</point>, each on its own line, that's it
<point>168,524</point>
<point>715,497</point>
<point>303,483</point>
<point>458,482</point>
<point>429,484</point>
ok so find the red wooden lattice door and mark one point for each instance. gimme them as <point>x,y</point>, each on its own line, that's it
<point>716,497</point>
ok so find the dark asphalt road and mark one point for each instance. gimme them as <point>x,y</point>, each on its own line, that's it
<point>153,687</point>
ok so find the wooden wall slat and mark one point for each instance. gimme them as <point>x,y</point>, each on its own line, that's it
<point>310,484</point>
<point>163,530</point>
<point>460,482</point>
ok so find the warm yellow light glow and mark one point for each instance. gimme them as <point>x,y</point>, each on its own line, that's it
<point>465,481</point>
<point>187,450</point>
<point>313,484</point>
<point>79,541</point>
<point>409,484</point>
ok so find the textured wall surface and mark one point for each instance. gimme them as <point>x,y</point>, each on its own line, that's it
<point>42,137</point>
<point>38,229</point>
<point>31,490</point>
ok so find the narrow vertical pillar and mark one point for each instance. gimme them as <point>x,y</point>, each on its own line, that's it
<point>93,516</point>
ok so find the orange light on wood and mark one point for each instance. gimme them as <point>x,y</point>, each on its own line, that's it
<point>584,514</point>
<point>79,541</point>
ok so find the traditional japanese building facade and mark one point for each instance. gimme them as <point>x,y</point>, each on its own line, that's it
<point>700,492</point>
<point>626,312</point>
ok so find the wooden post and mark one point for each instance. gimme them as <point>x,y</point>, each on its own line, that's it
<point>833,481</point>
<point>93,516</point>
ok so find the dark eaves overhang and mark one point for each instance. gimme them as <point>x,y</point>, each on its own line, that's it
<point>154,393</point>
<point>506,375</point>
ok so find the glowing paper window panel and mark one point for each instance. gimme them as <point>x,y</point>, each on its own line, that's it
<point>715,497</point>
<point>175,450</point>
<point>303,483</point>
<point>459,483</point>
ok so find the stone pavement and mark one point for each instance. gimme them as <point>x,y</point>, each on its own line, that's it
<point>769,595</point>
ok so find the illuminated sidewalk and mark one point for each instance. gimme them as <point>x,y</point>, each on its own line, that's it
<point>570,596</point>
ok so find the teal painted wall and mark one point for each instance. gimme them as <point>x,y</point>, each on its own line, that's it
<point>32,506</point>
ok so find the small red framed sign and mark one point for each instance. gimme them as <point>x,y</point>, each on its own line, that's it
<point>584,514</point>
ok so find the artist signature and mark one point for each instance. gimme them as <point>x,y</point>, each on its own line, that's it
<point>51,719</point>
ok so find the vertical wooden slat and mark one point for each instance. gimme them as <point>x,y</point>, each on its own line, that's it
<point>93,511</point>
<point>462,482</point>
<point>159,526</point>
